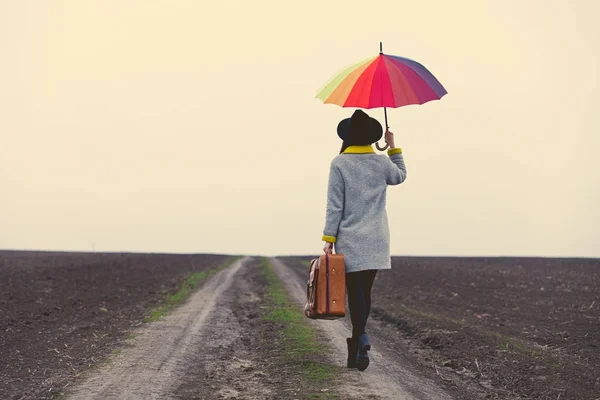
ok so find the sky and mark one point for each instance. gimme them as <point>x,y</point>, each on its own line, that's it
<point>192,126</point>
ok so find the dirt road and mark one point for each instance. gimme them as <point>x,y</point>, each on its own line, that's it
<point>390,375</point>
<point>218,346</point>
<point>153,366</point>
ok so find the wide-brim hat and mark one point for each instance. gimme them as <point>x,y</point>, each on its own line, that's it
<point>360,129</point>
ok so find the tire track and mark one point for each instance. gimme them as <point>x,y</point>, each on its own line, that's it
<point>152,368</point>
<point>228,364</point>
<point>387,377</point>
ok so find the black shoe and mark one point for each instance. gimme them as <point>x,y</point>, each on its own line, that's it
<point>362,357</point>
<point>352,350</point>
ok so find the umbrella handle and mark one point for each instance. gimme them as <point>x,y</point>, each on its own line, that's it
<point>386,126</point>
<point>381,148</point>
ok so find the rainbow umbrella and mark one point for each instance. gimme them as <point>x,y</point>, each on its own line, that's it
<point>382,81</point>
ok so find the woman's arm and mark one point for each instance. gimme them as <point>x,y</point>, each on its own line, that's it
<point>396,174</point>
<point>335,204</point>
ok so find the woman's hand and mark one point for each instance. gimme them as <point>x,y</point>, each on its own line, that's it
<point>389,139</point>
<point>328,249</point>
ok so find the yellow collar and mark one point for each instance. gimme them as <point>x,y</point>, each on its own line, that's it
<point>359,149</point>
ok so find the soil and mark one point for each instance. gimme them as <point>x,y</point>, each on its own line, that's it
<point>462,328</point>
<point>505,328</point>
<point>217,345</point>
<point>63,313</point>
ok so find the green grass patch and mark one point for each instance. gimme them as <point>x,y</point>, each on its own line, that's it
<point>187,288</point>
<point>301,344</point>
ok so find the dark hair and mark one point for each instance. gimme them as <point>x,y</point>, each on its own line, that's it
<point>345,145</point>
<point>351,140</point>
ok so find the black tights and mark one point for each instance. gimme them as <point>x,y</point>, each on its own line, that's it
<point>358,285</point>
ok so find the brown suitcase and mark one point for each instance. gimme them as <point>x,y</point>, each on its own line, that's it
<point>326,288</point>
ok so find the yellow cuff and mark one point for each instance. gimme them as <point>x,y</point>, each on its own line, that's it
<point>396,150</point>
<point>329,239</point>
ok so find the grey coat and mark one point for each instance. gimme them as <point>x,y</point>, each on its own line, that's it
<point>356,219</point>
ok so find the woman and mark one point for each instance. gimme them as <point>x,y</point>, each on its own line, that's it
<point>356,219</point>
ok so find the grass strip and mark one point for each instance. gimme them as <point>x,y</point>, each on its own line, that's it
<point>187,288</point>
<point>302,346</point>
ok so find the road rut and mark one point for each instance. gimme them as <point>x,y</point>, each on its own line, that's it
<point>152,368</point>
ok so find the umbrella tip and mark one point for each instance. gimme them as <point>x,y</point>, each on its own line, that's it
<point>380,47</point>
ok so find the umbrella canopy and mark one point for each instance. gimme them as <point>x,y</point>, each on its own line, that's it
<point>382,81</point>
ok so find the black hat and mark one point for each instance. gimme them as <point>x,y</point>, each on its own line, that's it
<point>360,129</point>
